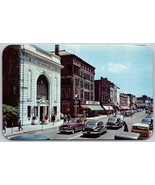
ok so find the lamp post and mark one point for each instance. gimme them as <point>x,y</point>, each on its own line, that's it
<point>109,106</point>
<point>76,102</point>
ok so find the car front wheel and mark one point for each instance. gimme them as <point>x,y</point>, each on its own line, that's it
<point>73,131</point>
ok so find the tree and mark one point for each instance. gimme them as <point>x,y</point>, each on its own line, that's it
<point>10,114</point>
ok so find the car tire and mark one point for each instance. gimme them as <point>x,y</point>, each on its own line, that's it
<point>73,131</point>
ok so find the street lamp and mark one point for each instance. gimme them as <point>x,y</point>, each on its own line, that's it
<point>109,105</point>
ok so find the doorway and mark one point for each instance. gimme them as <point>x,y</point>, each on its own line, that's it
<point>42,113</point>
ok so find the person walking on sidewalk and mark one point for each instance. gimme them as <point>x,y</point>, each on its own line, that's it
<point>53,118</point>
<point>46,119</point>
<point>65,119</point>
<point>19,124</point>
<point>68,117</point>
<point>4,126</point>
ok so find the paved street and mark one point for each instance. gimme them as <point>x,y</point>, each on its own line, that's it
<point>54,134</point>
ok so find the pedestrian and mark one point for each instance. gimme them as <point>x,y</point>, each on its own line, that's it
<point>65,119</point>
<point>4,126</point>
<point>68,117</point>
<point>53,118</point>
<point>46,119</point>
<point>125,127</point>
<point>19,124</point>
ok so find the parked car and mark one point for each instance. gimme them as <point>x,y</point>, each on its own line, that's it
<point>149,115</point>
<point>121,116</point>
<point>147,111</point>
<point>30,137</point>
<point>128,113</point>
<point>74,125</point>
<point>143,129</point>
<point>127,136</point>
<point>114,122</point>
<point>149,121</point>
<point>94,127</point>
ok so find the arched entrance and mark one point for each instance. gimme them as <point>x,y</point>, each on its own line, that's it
<point>42,97</point>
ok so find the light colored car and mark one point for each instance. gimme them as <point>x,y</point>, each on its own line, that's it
<point>94,127</point>
<point>149,121</point>
<point>114,122</point>
<point>143,129</point>
<point>119,115</point>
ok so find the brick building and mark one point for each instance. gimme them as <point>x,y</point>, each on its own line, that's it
<point>77,84</point>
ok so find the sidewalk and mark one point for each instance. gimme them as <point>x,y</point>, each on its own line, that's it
<point>31,128</point>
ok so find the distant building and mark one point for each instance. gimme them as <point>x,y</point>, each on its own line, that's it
<point>102,91</point>
<point>132,101</point>
<point>124,101</point>
<point>144,102</point>
<point>107,93</point>
<point>31,78</point>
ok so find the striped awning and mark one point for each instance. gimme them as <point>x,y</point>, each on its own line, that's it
<point>92,107</point>
<point>108,107</point>
<point>95,107</point>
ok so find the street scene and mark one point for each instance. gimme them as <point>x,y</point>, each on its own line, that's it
<point>79,92</point>
<point>53,132</point>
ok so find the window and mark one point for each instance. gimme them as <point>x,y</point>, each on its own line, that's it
<point>29,84</point>
<point>56,90</point>
<point>42,87</point>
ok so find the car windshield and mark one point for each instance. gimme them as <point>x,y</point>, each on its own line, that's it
<point>146,120</point>
<point>73,121</point>
<point>112,119</point>
<point>139,128</point>
<point>91,123</point>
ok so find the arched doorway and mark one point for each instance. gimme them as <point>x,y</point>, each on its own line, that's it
<point>42,97</point>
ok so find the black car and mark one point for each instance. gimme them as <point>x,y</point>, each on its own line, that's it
<point>114,122</point>
<point>127,136</point>
<point>30,137</point>
<point>149,121</point>
<point>94,127</point>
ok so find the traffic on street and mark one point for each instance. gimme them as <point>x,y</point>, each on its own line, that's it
<point>101,130</point>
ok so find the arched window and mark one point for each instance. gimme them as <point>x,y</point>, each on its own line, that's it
<point>42,87</point>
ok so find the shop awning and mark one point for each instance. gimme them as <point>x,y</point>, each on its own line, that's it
<point>108,107</point>
<point>125,107</point>
<point>95,107</point>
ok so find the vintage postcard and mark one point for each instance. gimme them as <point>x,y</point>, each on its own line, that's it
<point>81,92</point>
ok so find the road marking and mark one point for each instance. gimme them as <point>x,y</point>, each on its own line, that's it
<point>74,137</point>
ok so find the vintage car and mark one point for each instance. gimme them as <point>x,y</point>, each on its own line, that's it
<point>121,116</point>
<point>149,121</point>
<point>143,129</point>
<point>29,137</point>
<point>94,127</point>
<point>127,136</point>
<point>114,122</point>
<point>74,125</point>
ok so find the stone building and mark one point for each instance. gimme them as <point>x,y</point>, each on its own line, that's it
<point>34,83</point>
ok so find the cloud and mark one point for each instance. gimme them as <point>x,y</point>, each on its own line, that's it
<point>117,67</point>
<point>101,69</point>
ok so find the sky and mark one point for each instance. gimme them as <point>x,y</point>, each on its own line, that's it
<point>128,66</point>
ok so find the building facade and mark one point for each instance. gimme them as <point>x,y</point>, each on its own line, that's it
<point>77,85</point>
<point>124,101</point>
<point>38,85</point>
